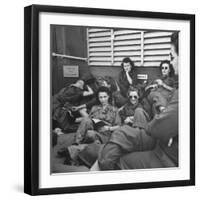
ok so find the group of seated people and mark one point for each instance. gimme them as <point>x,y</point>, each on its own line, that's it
<point>121,124</point>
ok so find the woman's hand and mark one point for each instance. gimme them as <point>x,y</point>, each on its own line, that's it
<point>129,120</point>
<point>153,86</point>
<point>105,128</point>
<point>129,78</point>
<point>161,108</point>
<point>75,108</point>
<point>88,92</point>
<point>159,82</point>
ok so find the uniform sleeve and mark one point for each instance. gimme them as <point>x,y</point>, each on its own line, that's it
<point>123,84</point>
<point>91,102</point>
<point>71,95</point>
<point>93,111</point>
<point>122,114</point>
<point>171,82</point>
<point>157,99</point>
<point>165,125</point>
<point>117,120</point>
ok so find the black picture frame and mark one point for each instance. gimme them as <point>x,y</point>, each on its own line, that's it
<point>31,98</point>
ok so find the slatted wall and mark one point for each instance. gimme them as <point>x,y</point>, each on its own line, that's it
<point>107,47</point>
<point>126,43</point>
<point>156,47</point>
<point>99,46</point>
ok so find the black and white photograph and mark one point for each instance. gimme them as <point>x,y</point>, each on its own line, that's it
<point>100,100</point>
<point>114,98</point>
<point>109,95</point>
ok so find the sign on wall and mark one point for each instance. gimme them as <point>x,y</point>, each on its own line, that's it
<point>70,70</point>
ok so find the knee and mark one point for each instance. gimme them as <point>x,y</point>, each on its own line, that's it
<point>90,136</point>
<point>86,120</point>
<point>91,133</point>
<point>103,161</point>
<point>140,114</point>
<point>84,113</point>
<point>108,157</point>
<point>105,164</point>
<point>139,111</point>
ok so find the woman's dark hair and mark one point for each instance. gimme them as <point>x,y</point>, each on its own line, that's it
<point>111,81</point>
<point>174,41</point>
<point>128,60</point>
<point>132,89</point>
<point>171,68</point>
<point>106,90</point>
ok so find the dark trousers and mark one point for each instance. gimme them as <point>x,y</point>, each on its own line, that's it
<point>156,158</point>
<point>120,144</point>
<point>113,157</point>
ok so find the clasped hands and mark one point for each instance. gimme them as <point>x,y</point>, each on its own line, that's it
<point>129,120</point>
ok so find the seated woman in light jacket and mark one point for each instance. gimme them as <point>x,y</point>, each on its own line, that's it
<point>93,130</point>
<point>132,113</point>
<point>102,113</point>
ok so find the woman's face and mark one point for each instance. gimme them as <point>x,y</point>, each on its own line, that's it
<point>174,59</point>
<point>133,97</point>
<point>80,84</point>
<point>103,98</point>
<point>105,84</point>
<point>127,67</point>
<point>165,69</point>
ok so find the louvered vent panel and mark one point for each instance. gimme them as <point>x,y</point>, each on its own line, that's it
<point>127,43</point>
<point>99,46</point>
<point>156,47</point>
